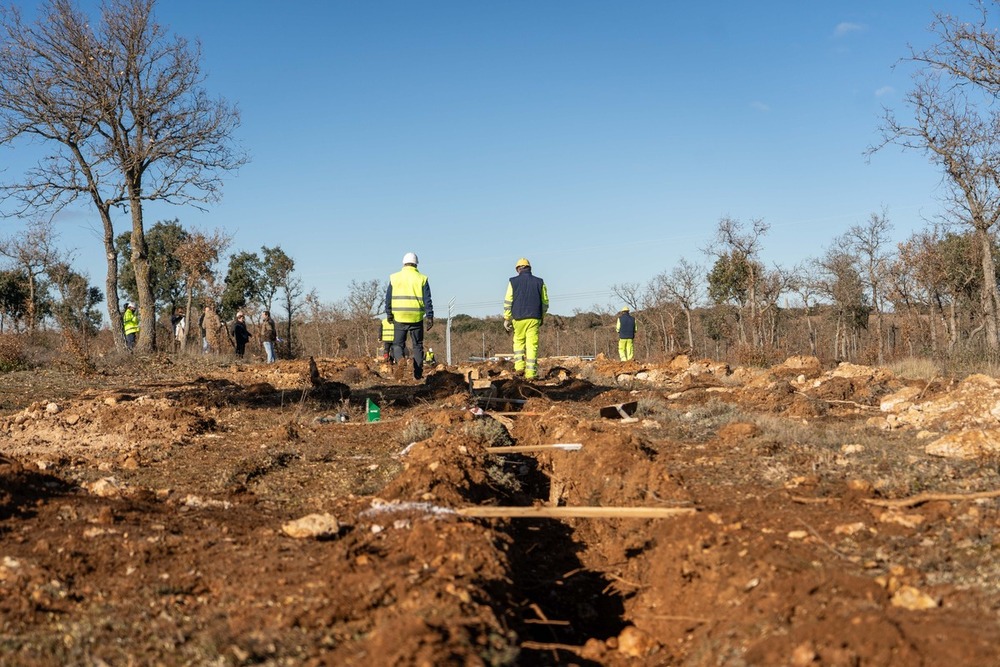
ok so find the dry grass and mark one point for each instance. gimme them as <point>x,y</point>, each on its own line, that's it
<point>915,368</point>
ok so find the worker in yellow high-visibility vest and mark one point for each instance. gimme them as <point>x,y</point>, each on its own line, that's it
<point>524,309</point>
<point>388,335</point>
<point>130,324</point>
<point>407,306</point>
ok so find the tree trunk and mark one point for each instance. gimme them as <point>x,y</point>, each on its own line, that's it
<point>690,331</point>
<point>143,286</point>
<point>111,280</point>
<point>990,295</point>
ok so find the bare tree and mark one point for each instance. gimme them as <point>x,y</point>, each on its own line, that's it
<point>365,298</point>
<point>291,299</point>
<point>957,126</point>
<point>868,242</point>
<point>737,248</point>
<point>197,254</point>
<point>75,310</point>
<point>122,108</point>
<point>34,252</point>
<point>683,285</point>
<point>801,283</point>
<point>628,294</point>
<point>839,279</point>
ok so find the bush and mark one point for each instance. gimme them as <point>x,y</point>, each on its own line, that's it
<point>415,431</point>
<point>13,356</point>
<point>488,432</point>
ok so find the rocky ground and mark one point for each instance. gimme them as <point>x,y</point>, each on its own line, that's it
<point>193,512</point>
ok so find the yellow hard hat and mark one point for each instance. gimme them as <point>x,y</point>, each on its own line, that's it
<point>624,309</point>
<point>522,262</point>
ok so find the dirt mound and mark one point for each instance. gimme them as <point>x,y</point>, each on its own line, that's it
<point>729,516</point>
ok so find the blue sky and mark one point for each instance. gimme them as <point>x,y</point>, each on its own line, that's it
<point>601,140</point>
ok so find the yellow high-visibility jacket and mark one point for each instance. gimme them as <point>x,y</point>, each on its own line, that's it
<point>130,321</point>
<point>408,296</point>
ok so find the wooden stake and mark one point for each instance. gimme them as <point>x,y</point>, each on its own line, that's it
<point>576,512</point>
<point>922,498</point>
<point>510,449</point>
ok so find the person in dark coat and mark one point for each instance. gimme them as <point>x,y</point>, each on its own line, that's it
<point>241,334</point>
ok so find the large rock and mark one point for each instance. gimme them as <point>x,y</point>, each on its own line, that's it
<point>969,444</point>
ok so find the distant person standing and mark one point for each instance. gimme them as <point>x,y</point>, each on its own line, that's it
<point>241,334</point>
<point>179,325</point>
<point>625,326</point>
<point>407,305</point>
<point>268,336</point>
<point>429,356</point>
<point>524,309</point>
<point>130,324</point>
<point>388,334</point>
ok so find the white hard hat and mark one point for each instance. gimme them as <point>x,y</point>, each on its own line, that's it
<point>410,258</point>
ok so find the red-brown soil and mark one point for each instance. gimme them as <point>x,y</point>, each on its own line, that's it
<point>147,516</point>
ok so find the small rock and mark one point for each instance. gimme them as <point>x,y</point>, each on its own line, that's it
<point>107,487</point>
<point>71,420</point>
<point>313,525</point>
<point>849,528</point>
<point>804,654</point>
<point>52,408</point>
<point>635,643</point>
<point>902,519</point>
<point>913,599</point>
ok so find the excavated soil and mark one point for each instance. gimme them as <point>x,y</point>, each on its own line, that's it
<point>199,512</point>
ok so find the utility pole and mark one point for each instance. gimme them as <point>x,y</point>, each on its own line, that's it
<point>447,333</point>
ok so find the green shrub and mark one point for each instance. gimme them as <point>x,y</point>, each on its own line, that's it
<point>488,432</point>
<point>415,431</point>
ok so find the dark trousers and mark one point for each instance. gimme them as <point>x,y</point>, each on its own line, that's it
<point>416,333</point>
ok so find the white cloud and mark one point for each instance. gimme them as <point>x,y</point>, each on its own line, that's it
<point>884,90</point>
<point>845,28</point>
<point>760,106</point>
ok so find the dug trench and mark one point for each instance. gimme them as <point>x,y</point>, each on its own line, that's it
<point>162,521</point>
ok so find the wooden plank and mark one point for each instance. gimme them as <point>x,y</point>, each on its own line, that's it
<point>510,449</point>
<point>576,512</point>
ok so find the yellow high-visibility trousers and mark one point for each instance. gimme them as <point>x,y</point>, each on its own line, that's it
<point>526,346</point>
<point>626,350</point>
